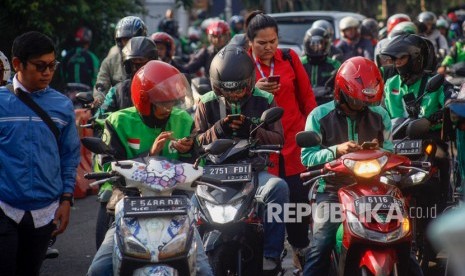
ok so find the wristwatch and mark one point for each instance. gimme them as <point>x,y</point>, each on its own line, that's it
<point>67,197</point>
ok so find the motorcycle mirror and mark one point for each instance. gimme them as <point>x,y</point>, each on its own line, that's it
<point>201,85</point>
<point>85,98</point>
<point>219,146</point>
<point>96,145</point>
<point>272,115</point>
<point>434,83</point>
<point>418,128</point>
<point>306,139</point>
<point>459,69</point>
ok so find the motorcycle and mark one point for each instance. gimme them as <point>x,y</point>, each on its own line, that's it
<point>199,86</point>
<point>423,149</point>
<point>228,215</point>
<point>456,74</point>
<point>98,162</point>
<point>375,235</point>
<point>154,228</point>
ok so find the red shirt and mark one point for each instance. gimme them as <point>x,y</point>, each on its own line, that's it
<point>297,99</point>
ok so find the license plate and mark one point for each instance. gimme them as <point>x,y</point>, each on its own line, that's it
<point>381,203</point>
<point>229,172</point>
<point>408,147</point>
<point>156,205</point>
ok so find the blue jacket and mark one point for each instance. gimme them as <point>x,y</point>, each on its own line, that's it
<point>34,170</point>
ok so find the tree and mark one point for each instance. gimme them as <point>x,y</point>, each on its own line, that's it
<point>60,18</point>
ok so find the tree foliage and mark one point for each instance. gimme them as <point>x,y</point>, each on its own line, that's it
<point>60,18</point>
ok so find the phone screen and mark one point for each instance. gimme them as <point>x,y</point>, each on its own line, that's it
<point>274,78</point>
<point>234,116</point>
<point>369,145</point>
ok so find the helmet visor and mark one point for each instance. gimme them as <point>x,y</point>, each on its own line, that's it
<point>172,89</point>
<point>317,45</point>
<point>231,87</point>
<point>369,98</point>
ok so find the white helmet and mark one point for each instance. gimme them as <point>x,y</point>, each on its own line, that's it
<point>348,22</point>
<point>5,69</point>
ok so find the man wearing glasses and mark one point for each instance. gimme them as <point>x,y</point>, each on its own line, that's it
<point>38,164</point>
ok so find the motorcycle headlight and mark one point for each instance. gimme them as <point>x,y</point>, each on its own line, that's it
<point>366,168</point>
<point>358,229</point>
<point>132,246</point>
<point>177,245</point>
<point>416,178</point>
<point>222,213</point>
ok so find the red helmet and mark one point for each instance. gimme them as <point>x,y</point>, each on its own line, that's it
<point>83,35</point>
<point>396,19</point>
<point>360,81</point>
<point>157,82</point>
<point>217,28</point>
<point>162,37</point>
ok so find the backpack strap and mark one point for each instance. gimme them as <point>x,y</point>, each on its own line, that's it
<point>27,100</point>
<point>287,56</point>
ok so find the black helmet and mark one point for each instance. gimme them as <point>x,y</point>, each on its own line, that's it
<point>169,26</point>
<point>325,25</point>
<point>427,17</point>
<point>317,43</point>
<point>421,55</point>
<point>232,71</point>
<point>236,19</point>
<point>138,47</point>
<point>128,27</point>
<point>370,27</point>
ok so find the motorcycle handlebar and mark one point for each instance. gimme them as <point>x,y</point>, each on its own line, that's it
<point>98,175</point>
<point>310,174</point>
<point>420,164</point>
<point>269,147</point>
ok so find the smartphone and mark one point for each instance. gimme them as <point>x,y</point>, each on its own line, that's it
<point>274,78</point>
<point>369,145</point>
<point>233,117</point>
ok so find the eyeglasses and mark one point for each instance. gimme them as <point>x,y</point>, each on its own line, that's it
<point>41,67</point>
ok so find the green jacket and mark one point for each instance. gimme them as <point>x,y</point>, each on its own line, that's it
<point>131,137</point>
<point>395,89</point>
<point>457,54</point>
<point>334,128</point>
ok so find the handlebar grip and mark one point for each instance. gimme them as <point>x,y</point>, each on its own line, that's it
<point>310,174</point>
<point>270,147</point>
<point>420,164</point>
<point>98,175</point>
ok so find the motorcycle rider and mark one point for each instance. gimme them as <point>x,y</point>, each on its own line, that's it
<point>352,44</point>
<point>111,70</point>
<point>236,25</point>
<point>456,55</point>
<point>232,75</point>
<point>414,59</point>
<point>319,67</point>
<point>343,125</point>
<point>428,29</point>
<point>154,127</point>
<point>137,52</point>
<point>218,36</point>
<point>334,53</point>
<point>80,65</point>
<point>166,50</point>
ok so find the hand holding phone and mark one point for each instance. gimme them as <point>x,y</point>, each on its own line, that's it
<point>369,145</point>
<point>232,117</point>
<point>274,78</point>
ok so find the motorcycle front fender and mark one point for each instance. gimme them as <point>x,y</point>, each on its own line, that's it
<point>212,240</point>
<point>379,261</point>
